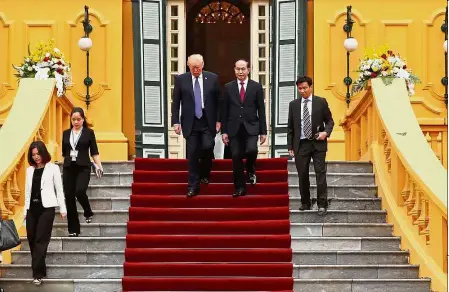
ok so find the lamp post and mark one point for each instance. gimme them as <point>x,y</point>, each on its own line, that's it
<point>444,79</point>
<point>350,45</point>
<point>85,44</point>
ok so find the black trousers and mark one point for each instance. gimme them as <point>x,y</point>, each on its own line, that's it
<point>306,151</point>
<point>243,145</point>
<point>76,180</point>
<point>200,150</point>
<point>39,224</point>
<point>227,152</point>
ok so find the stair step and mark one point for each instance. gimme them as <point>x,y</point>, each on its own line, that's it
<point>344,203</point>
<point>346,243</point>
<point>333,191</point>
<point>339,216</point>
<point>298,243</point>
<point>337,179</point>
<point>347,191</point>
<point>73,257</point>
<point>362,285</point>
<point>350,257</point>
<point>113,166</point>
<point>296,216</point>
<point>300,285</point>
<point>296,229</point>
<point>341,229</point>
<point>332,166</point>
<point>339,166</point>
<point>355,271</point>
<point>82,244</point>
<point>92,229</point>
<point>299,257</point>
<point>351,178</point>
<point>123,203</point>
<point>108,203</point>
<point>100,216</point>
<point>66,271</point>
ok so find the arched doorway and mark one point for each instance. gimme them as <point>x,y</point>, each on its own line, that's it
<point>220,31</point>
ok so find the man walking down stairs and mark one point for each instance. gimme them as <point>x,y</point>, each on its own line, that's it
<point>351,249</point>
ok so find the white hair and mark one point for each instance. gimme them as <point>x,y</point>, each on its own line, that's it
<point>195,57</point>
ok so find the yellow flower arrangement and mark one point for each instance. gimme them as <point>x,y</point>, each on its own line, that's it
<point>46,61</point>
<point>381,62</point>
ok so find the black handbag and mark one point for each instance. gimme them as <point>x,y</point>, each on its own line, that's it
<point>9,237</point>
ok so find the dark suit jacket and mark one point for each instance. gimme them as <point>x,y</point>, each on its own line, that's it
<point>321,120</point>
<point>86,141</point>
<point>251,112</point>
<point>183,97</point>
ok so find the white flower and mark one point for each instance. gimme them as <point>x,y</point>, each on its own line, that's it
<point>27,60</point>
<point>56,50</point>
<point>42,73</point>
<point>47,55</point>
<point>403,74</point>
<point>59,84</point>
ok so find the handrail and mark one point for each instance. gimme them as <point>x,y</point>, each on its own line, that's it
<point>37,114</point>
<point>383,128</point>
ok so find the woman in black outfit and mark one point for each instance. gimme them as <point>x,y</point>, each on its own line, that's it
<point>43,192</point>
<point>77,142</point>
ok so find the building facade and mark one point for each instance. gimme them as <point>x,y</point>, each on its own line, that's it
<point>270,34</point>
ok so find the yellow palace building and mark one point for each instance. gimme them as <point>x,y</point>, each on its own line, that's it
<point>386,229</point>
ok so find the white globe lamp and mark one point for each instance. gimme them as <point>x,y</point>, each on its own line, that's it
<point>85,44</point>
<point>351,44</point>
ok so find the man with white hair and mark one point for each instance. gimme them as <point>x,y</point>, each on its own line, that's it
<point>197,94</point>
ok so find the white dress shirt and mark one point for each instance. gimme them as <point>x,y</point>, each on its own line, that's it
<point>309,107</point>
<point>245,84</point>
<point>200,81</point>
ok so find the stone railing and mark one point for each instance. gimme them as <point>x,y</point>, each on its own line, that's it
<point>37,114</point>
<point>382,128</point>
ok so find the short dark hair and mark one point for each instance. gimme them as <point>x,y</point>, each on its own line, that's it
<point>41,149</point>
<point>81,112</point>
<point>244,60</point>
<point>303,79</point>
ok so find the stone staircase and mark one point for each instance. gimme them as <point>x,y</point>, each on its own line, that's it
<point>351,249</point>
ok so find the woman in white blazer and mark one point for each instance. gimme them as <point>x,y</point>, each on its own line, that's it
<point>43,192</point>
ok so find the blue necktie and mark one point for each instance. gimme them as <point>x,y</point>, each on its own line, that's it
<point>197,93</point>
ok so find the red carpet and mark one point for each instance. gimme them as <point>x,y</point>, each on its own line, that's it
<point>212,242</point>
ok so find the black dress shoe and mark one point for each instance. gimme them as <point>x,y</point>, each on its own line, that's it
<point>239,193</point>
<point>304,207</point>
<point>204,181</point>
<point>192,193</point>
<point>252,179</point>
<point>322,211</point>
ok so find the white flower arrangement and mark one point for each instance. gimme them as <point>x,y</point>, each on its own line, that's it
<point>386,65</point>
<point>45,62</point>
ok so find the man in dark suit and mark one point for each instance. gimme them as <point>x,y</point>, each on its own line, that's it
<point>243,119</point>
<point>197,93</point>
<point>310,124</point>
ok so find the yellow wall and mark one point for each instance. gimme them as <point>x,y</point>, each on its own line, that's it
<point>28,21</point>
<point>409,27</point>
<point>128,112</point>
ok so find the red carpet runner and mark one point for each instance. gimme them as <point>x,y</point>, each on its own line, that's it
<point>212,242</point>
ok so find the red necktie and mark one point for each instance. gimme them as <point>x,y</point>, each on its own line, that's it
<point>242,90</point>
